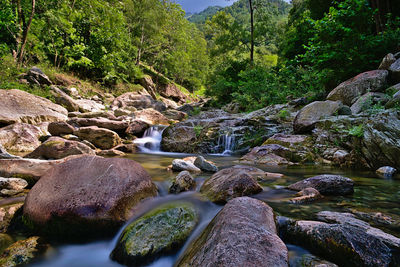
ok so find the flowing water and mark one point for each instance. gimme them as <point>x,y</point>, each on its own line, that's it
<point>371,194</point>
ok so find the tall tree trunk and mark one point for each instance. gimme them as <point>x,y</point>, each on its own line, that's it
<point>139,53</point>
<point>251,32</point>
<point>25,32</point>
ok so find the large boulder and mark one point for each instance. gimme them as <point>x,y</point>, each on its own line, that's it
<point>242,234</point>
<point>19,106</point>
<point>387,61</point>
<point>58,148</point>
<point>100,137</point>
<point>21,137</point>
<point>60,128</point>
<point>87,105</point>
<point>171,90</point>
<point>87,196</point>
<point>138,101</point>
<point>348,91</point>
<point>326,184</point>
<point>161,231</point>
<point>36,76</point>
<point>232,182</point>
<point>312,113</point>
<point>137,128</point>
<point>343,244</point>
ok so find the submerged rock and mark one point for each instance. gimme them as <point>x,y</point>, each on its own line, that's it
<point>386,171</point>
<point>242,234</point>
<point>306,195</point>
<point>58,148</point>
<point>344,244</point>
<point>160,231</point>
<point>23,252</point>
<point>326,184</point>
<point>182,182</point>
<point>19,106</point>
<point>205,165</point>
<point>232,182</point>
<point>87,196</point>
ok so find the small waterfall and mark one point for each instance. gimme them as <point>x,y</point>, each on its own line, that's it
<point>151,140</point>
<point>227,142</point>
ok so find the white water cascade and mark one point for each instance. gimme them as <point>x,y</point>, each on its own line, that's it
<point>151,140</point>
<point>226,141</point>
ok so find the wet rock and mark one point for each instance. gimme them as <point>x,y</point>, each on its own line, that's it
<point>387,61</point>
<point>138,101</point>
<point>137,128</point>
<point>394,70</point>
<point>7,213</point>
<point>348,91</point>
<point>367,100</point>
<point>159,232</point>
<point>242,234</point>
<point>326,184</point>
<point>58,148</point>
<point>350,219</point>
<point>230,183</point>
<point>60,128</point>
<point>312,113</point>
<point>63,99</point>
<point>87,196</point>
<point>205,165</point>
<point>271,154</point>
<point>19,106</point>
<point>183,165</point>
<point>309,260</point>
<point>21,137</point>
<point>111,153</point>
<point>87,105</point>
<point>23,252</point>
<point>114,125</point>
<point>182,182</point>
<point>343,244</point>
<point>306,195</point>
<point>379,219</point>
<point>101,138</point>
<point>151,116</point>
<point>386,171</point>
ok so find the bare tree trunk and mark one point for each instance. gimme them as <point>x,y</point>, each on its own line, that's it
<point>25,32</point>
<point>251,32</point>
<point>139,54</point>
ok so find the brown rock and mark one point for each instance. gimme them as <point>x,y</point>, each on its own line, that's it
<point>111,153</point>
<point>63,99</point>
<point>87,196</point>
<point>232,182</point>
<point>7,213</point>
<point>21,137</point>
<point>172,91</point>
<point>138,101</point>
<point>326,184</point>
<point>137,128</point>
<point>306,195</point>
<point>58,148</point>
<point>268,154</point>
<point>183,182</point>
<point>60,128</point>
<point>114,125</point>
<point>19,106</point>
<point>101,138</point>
<point>348,91</point>
<point>242,234</point>
<point>151,116</point>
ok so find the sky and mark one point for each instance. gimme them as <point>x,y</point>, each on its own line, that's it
<point>195,6</point>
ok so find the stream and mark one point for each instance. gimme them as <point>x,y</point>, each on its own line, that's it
<point>371,194</point>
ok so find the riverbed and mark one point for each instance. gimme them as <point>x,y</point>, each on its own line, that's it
<point>372,194</point>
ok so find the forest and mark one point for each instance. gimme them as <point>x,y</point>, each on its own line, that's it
<point>303,48</point>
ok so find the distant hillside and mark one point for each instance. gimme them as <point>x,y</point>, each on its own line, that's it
<point>239,10</point>
<point>200,18</point>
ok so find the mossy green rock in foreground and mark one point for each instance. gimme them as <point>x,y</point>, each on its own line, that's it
<point>161,231</point>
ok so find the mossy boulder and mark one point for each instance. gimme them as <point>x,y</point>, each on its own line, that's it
<point>23,252</point>
<point>161,231</point>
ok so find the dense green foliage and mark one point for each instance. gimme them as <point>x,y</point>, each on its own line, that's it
<point>106,40</point>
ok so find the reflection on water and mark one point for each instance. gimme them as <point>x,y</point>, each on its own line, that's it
<point>371,194</point>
